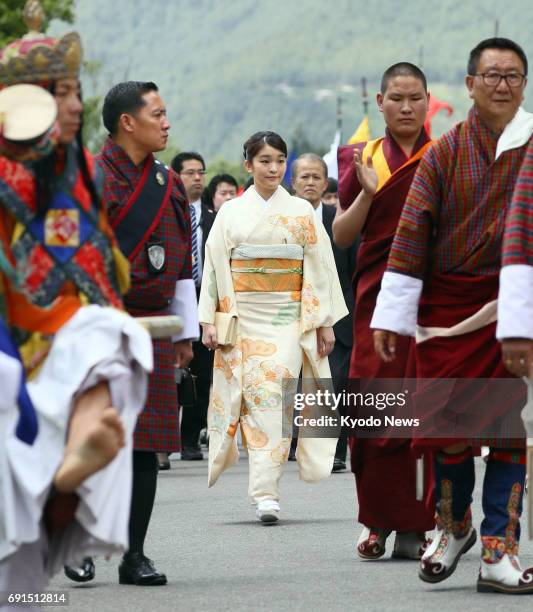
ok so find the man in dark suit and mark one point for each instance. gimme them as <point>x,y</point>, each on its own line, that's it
<point>190,167</point>
<point>309,181</point>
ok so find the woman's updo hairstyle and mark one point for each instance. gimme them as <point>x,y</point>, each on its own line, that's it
<point>258,140</point>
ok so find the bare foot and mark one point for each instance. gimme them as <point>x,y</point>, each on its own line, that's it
<point>99,445</point>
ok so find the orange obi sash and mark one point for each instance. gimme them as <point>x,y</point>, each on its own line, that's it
<point>266,274</point>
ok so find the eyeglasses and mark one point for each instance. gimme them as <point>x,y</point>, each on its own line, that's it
<point>493,79</point>
<point>193,172</point>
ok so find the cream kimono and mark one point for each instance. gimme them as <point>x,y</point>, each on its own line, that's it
<point>271,265</point>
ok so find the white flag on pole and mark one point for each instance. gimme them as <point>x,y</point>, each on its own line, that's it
<point>331,156</point>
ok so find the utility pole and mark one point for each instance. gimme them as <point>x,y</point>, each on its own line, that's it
<point>339,116</point>
<point>364,96</point>
<point>496,27</point>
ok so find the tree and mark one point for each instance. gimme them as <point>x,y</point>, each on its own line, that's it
<point>168,154</point>
<point>93,131</point>
<point>12,25</point>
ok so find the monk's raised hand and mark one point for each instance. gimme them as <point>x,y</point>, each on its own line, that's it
<point>366,174</point>
<point>385,344</point>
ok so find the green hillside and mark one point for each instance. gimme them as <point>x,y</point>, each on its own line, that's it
<point>227,68</point>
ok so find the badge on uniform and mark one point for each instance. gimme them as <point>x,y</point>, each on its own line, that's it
<point>156,258</point>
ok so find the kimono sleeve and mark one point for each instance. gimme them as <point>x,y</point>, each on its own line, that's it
<point>217,292</point>
<point>322,298</point>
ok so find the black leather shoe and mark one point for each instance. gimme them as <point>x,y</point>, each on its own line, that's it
<point>292,455</point>
<point>163,461</point>
<point>204,437</point>
<point>137,569</point>
<point>190,453</point>
<point>338,465</point>
<point>81,573</point>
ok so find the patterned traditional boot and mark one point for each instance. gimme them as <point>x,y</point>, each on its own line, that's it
<point>371,543</point>
<point>454,482</point>
<point>503,488</point>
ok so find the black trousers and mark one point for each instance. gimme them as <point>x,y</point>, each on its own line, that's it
<point>194,418</point>
<point>339,362</point>
<point>142,499</point>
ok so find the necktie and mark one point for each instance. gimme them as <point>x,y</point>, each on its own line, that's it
<point>194,250</point>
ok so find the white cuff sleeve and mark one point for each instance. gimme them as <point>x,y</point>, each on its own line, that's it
<point>515,302</point>
<point>10,381</point>
<point>185,305</point>
<point>397,304</point>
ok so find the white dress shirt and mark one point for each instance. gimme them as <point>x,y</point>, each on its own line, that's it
<point>318,212</point>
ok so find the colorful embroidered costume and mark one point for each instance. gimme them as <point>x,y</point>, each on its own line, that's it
<point>61,281</point>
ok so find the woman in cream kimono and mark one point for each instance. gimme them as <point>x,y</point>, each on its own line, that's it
<point>270,265</point>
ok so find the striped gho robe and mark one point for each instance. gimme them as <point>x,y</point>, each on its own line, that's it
<point>158,425</point>
<point>515,301</point>
<point>446,256</point>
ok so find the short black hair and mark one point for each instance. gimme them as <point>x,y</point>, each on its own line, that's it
<point>258,140</point>
<point>210,190</point>
<point>494,43</point>
<point>177,162</point>
<point>310,157</point>
<point>402,69</point>
<point>221,178</point>
<point>333,185</point>
<point>122,98</point>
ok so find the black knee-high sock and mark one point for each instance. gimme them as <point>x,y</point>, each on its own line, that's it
<point>142,498</point>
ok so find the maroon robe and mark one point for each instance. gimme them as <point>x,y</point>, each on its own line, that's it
<point>384,468</point>
<point>447,300</point>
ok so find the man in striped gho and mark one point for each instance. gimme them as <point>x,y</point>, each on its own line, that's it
<point>442,282</point>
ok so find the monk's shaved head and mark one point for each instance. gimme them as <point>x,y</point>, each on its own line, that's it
<point>402,69</point>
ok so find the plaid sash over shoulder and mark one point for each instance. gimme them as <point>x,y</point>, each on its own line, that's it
<point>148,293</point>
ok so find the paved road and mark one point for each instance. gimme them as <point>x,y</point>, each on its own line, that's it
<point>217,557</point>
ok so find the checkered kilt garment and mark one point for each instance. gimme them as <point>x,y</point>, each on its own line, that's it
<point>450,235</point>
<point>158,425</point>
<point>518,239</point>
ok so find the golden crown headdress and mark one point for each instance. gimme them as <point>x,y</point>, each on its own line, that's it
<point>36,58</point>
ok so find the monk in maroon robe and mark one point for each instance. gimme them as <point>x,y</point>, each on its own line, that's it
<point>374,179</point>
